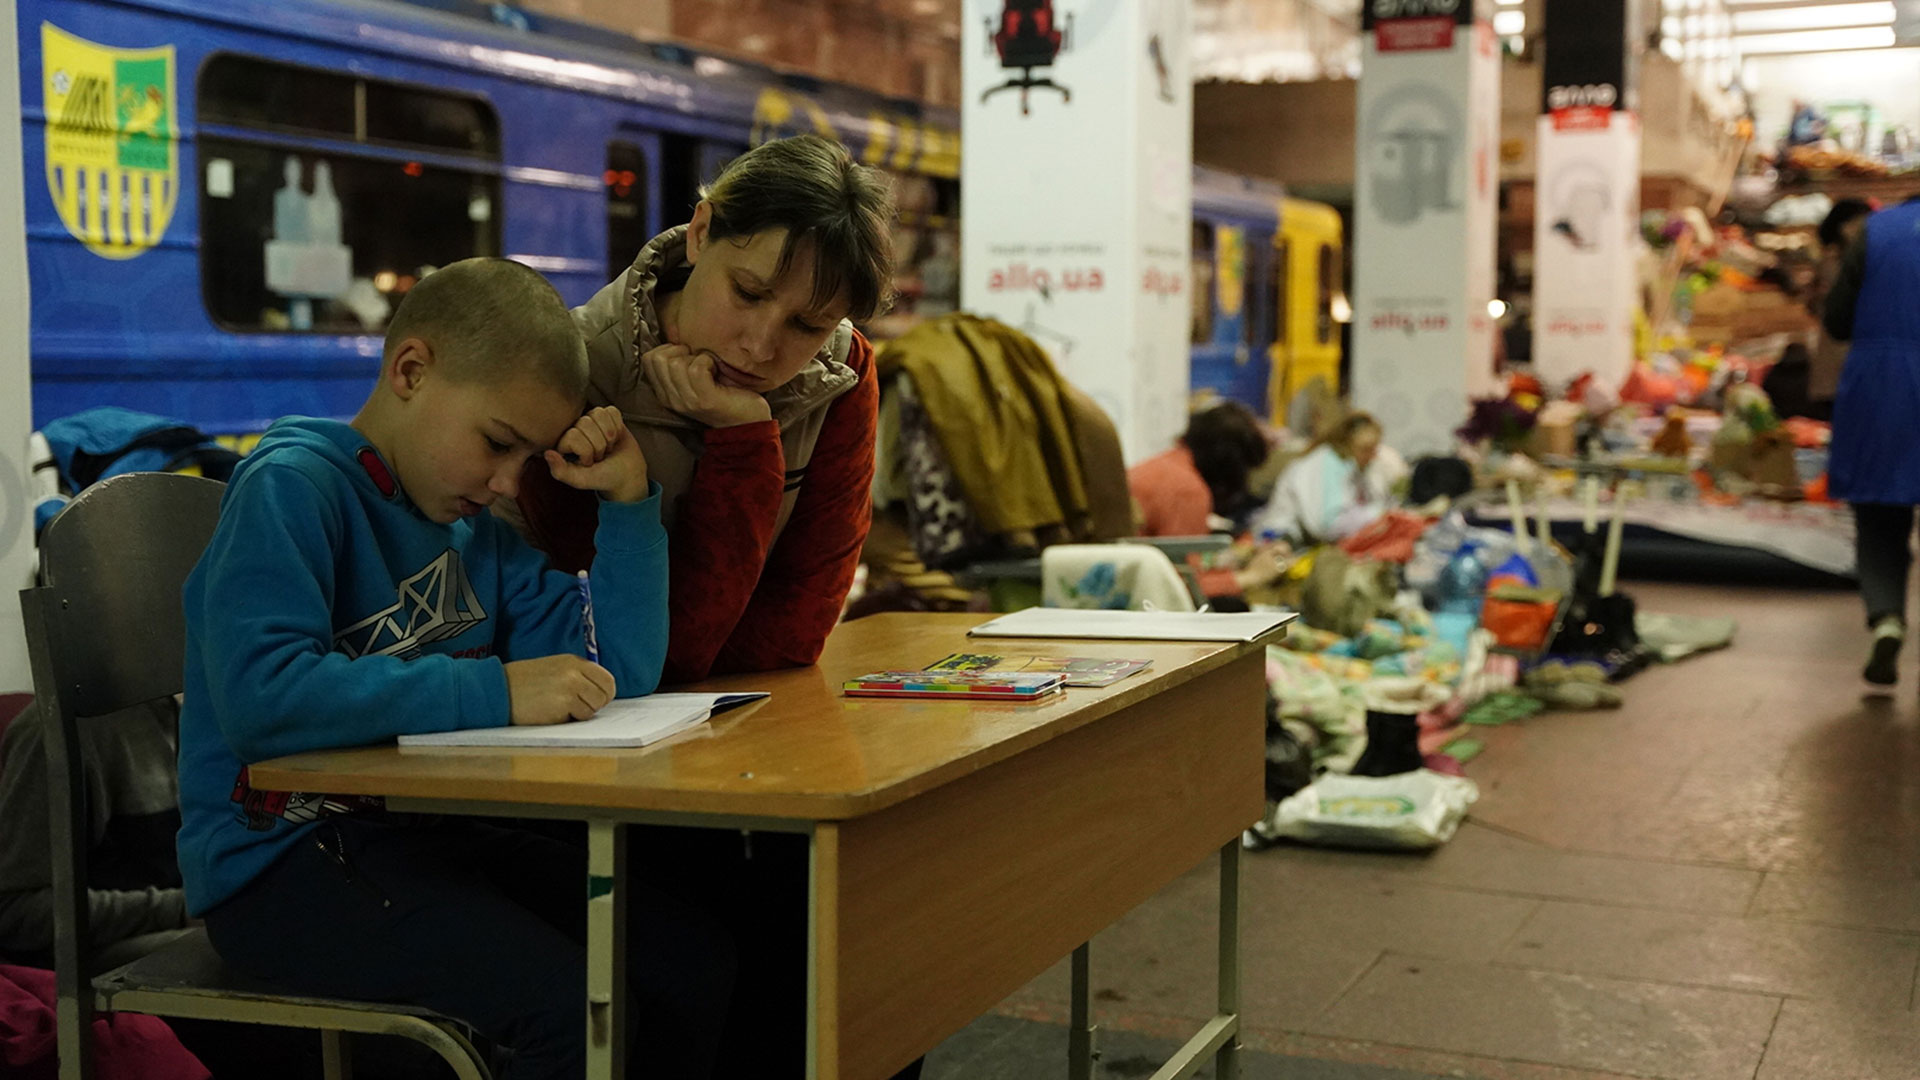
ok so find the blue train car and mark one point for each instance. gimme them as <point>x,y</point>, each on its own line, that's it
<point>236,193</point>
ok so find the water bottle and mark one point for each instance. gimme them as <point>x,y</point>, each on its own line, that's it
<point>1463,582</point>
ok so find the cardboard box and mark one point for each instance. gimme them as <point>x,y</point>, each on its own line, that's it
<point>1555,435</point>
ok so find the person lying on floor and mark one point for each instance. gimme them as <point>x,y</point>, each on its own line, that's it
<point>1338,488</point>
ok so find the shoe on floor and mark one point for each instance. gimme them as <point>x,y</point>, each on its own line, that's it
<point>1883,662</point>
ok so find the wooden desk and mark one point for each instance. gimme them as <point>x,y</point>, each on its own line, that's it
<point>959,849</point>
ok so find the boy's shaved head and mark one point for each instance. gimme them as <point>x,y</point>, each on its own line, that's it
<point>491,320</point>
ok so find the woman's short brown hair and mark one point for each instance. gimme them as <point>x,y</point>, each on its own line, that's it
<point>1342,434</point>
<point>813,188</point>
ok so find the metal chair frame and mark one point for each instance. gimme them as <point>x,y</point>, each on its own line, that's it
<point>106,631</point>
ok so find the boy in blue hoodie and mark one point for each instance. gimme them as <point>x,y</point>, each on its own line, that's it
<point>356,589</point>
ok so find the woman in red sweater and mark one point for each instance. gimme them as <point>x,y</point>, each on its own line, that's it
<point>727,346</point>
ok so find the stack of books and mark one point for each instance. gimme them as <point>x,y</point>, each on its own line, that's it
<point>958,685</point>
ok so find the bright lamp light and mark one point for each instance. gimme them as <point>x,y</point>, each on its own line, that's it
<point>1825,16</point>
<point>1860,37</point>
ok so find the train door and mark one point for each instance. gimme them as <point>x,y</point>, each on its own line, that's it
<point>686,163</point>
<point>1309,297</point>
<point>1280,351</point>
<point>633,179</point>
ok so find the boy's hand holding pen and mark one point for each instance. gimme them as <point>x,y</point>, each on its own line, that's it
<point>556,689</point>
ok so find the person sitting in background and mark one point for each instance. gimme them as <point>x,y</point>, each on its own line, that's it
<point>1205,473</point>
<point>1340,486</point>
<point>135,900</point>
<point>1202,482</point>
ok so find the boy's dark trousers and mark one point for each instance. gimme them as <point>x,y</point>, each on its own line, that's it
<point>486,925</point>
<point>756,885</point>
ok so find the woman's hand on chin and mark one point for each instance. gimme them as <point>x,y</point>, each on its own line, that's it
<point>685,382</point>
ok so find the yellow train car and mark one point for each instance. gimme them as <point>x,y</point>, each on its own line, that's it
<point>1268,293</point>
<point>1309,254</point>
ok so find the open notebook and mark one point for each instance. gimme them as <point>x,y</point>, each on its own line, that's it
<point>639,721</point>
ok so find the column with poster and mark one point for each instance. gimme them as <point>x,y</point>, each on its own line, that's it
<point>16,419</point>
<point>1425,200</point>
<point>1586,193</point>
<point>1078,138</point>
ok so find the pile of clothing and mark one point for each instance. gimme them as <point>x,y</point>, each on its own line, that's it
<point>1397,667</point>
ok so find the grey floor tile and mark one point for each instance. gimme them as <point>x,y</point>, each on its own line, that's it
<point>1756,956</point>
<point>1820,1040</point>
<point>1863,902</point>
<point>1004,1048</point>
<point>1485,859</point>
<point>1636,1028</point>
<point>1287,904</point>
<point>1173,975</point>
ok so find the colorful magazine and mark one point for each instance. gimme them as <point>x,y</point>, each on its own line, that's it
<point>1079,670</point>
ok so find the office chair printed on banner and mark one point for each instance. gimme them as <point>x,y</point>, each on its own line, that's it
<point>106,631</point>
<point>1028,37</point>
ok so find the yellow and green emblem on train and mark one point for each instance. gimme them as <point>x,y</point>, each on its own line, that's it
<point>113,162</point>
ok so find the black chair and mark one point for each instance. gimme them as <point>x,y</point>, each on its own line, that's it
<point>1028,37</point>
<point>106,631</point>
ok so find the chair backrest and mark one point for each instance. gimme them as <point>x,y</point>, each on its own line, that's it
<point>106,630</point>
<point>1115,576</point>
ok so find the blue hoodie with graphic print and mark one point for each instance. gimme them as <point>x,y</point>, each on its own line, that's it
<point>328,612</point>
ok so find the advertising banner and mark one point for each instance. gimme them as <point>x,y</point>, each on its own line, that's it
<point>1425,200</point>
<point>1077,133</point>
<point>1586,233</point>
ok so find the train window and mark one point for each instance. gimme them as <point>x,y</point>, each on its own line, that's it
<point>626,182</point>
<point>1201,280</point>
<point>1282,290</point>
<point>329,239</point>
<point>330,242</point>
<point>1252,279</point>
<point>409,116</point>
<point>1323,304</point>
<point>245,91</point>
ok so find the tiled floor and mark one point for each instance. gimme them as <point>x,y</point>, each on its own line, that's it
<point>1721,880</point>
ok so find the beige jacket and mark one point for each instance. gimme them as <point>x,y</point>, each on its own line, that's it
<point>621,324</point>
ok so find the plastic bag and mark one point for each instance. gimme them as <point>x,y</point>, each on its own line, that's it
<point>1410,811</point>
<point>1520,618</point>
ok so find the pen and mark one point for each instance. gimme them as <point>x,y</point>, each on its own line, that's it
<point>586,617</point>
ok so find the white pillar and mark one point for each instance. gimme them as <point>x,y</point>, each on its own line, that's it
<point>1425,203</point>
<point>1078,189</point>
<point>16,413</point>
<point>1586,196</point>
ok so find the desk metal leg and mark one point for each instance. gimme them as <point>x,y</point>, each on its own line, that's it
<point>1080,1028</point>
<point>1220,1038</point>
<point>606,950</point>
<point>1227,1061</point>
<point>336,1056</point>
